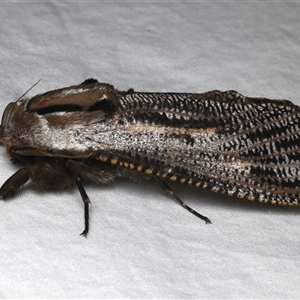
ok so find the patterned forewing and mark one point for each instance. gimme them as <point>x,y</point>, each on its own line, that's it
<point>248,147</point>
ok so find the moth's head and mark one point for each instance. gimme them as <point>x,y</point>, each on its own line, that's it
<point>9,112</point>
<point>7,117</point>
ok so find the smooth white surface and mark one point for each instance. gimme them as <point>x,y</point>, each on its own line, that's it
<point>142,244</point>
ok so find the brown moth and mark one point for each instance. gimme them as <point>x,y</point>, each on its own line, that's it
<point>222,141</point>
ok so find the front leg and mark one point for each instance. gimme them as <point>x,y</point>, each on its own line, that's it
<point>13,183</point>
<point>45,174</point>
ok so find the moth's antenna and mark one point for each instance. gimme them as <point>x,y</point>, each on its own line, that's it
<point>29,90</point>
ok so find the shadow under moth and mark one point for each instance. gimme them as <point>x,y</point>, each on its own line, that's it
<point>222,141</point>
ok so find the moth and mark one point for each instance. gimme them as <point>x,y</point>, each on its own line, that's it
<point>222,141</point>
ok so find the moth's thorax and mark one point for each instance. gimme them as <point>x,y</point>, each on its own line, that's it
<point>50,121</point>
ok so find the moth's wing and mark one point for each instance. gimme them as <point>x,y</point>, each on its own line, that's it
<point>253,151</point>
<point>224,141</point>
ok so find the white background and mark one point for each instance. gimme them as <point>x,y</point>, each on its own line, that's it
<point>142,244</point>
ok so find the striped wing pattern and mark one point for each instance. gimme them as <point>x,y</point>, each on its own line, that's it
<point>223,141</point>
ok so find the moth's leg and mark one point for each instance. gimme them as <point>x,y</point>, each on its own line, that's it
<point>14,182</point>
<point>84,196</point>
<point>168,189</point>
